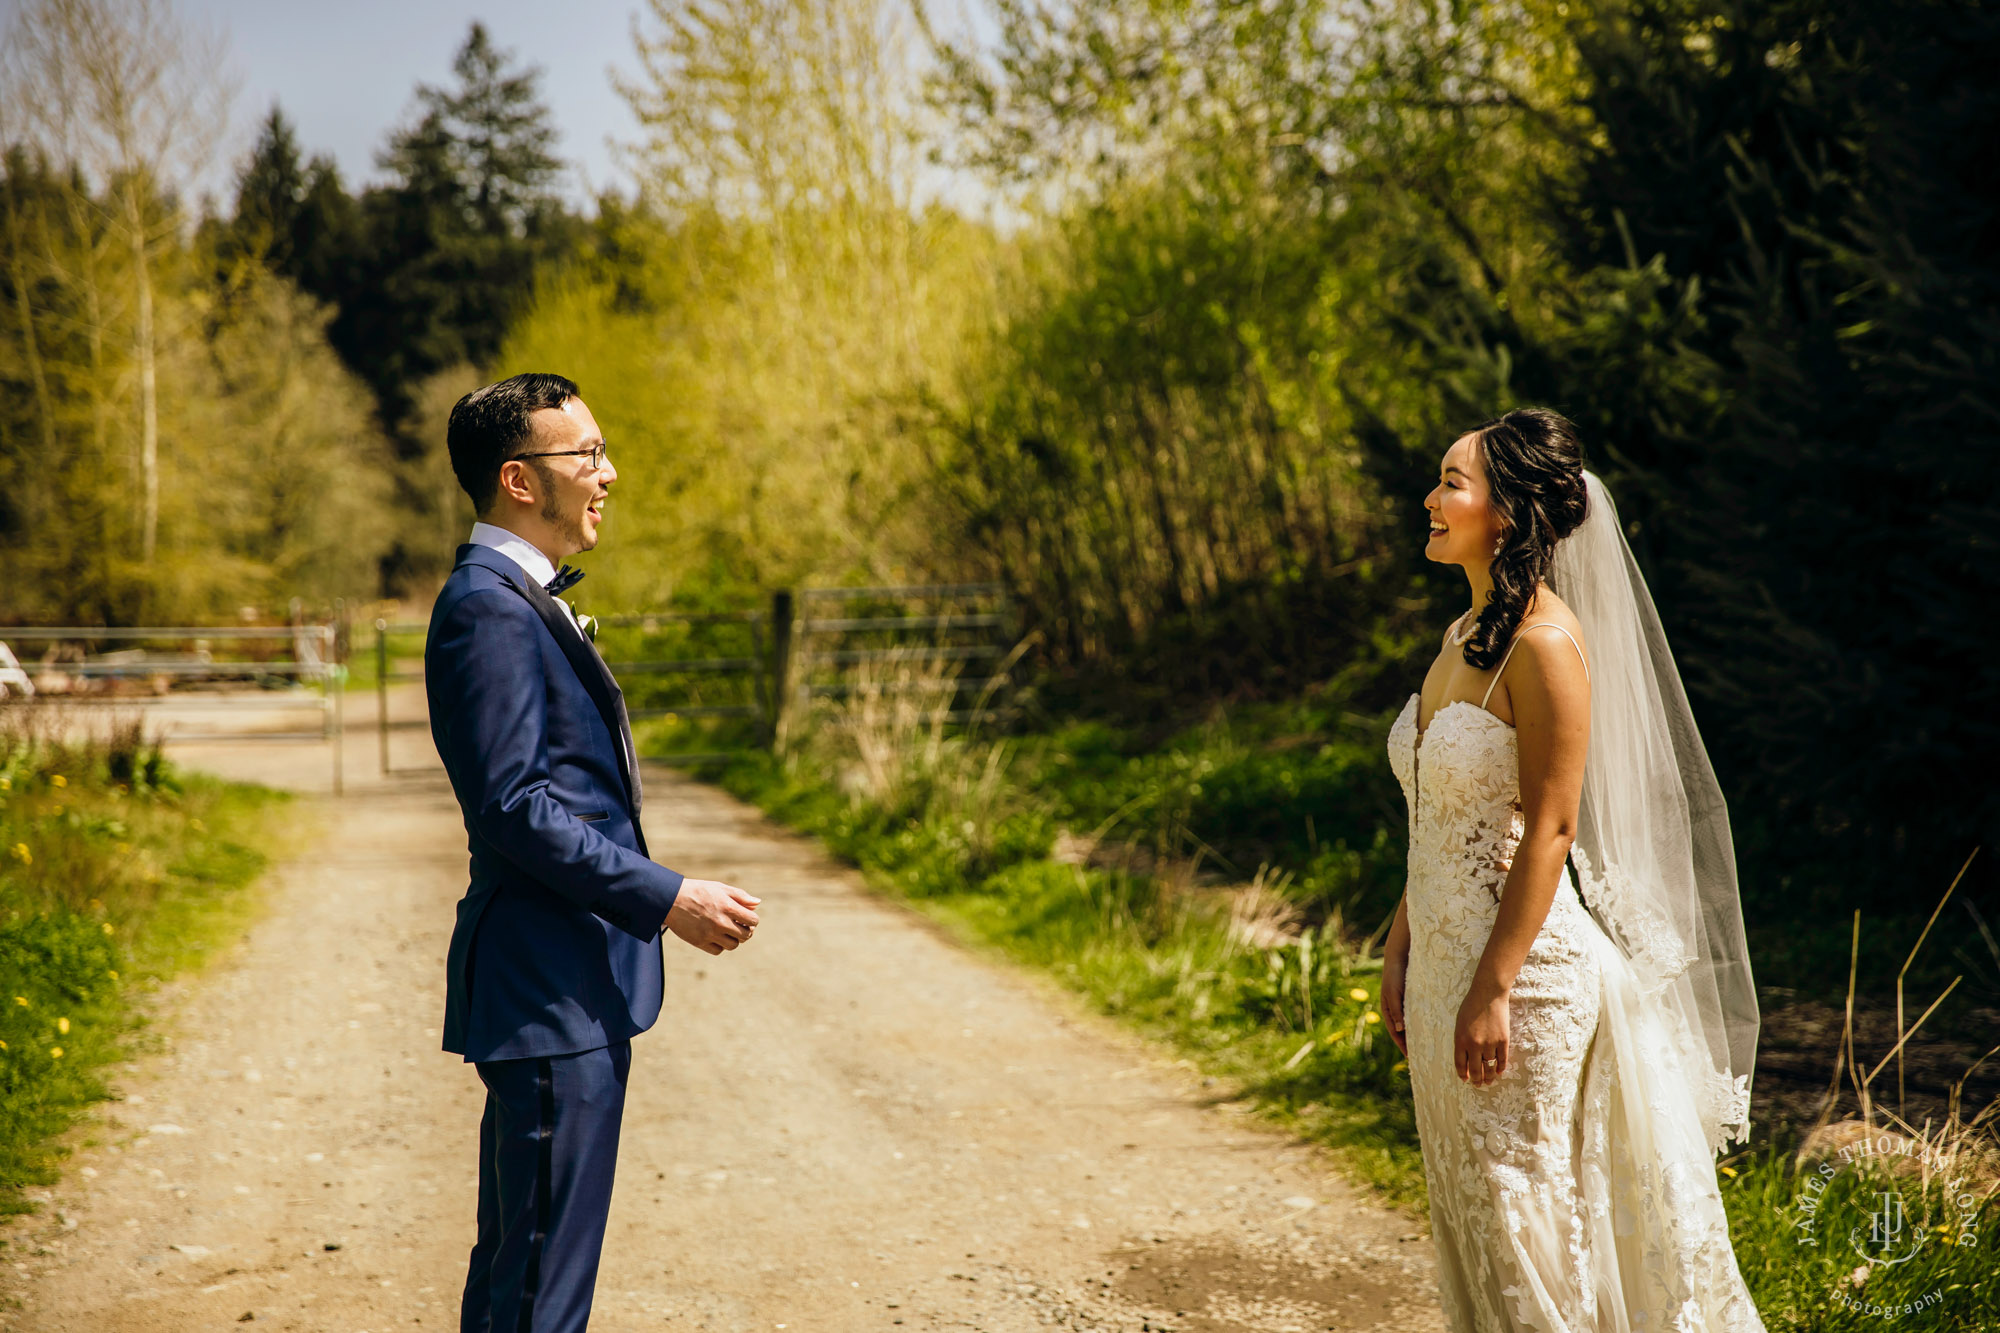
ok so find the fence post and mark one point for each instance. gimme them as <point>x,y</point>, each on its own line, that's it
<point>336,678</point>
<point>781,659</point>
<point>382,690</point>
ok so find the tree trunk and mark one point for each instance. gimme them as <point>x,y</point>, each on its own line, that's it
<point>149,407</point>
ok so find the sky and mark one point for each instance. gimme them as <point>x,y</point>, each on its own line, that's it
<point>346,71</point>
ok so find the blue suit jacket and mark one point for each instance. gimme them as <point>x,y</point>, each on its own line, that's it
<point>557,945</point>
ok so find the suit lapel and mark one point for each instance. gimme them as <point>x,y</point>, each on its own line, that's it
<point>583,657</point>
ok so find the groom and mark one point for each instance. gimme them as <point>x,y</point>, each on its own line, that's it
<point>555,962</point>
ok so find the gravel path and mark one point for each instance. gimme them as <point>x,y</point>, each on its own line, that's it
<point>850,1123</point>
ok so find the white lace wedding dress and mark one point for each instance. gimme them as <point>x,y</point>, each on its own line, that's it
<point>1578,1191</point>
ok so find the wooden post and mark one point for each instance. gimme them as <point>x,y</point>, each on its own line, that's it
<point>382,689</point>
<point>335,675</point>
<point>781,659</point>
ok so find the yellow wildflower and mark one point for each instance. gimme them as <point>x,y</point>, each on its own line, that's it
<point>197,826</point>
<point>21,853</point>
<point>62,1026</point>
<point>110,929</point>
<point>21,1000</point>
<point>1357,994</point>
<point>1371,1017</point>
<point>55,1052</point>
<point>3,1045</point>
<point>114,974</point>
<point>1729,1171</point>
<point>6,784</point>
<point>58,780</point>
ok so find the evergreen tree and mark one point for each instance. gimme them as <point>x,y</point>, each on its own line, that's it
<point>1816,181</point>
<point>293,216</point>
<point>451,246</point>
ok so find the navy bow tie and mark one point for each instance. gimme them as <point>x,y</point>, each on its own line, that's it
<point>564,580</point>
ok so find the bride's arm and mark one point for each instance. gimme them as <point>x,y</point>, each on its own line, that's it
<point>1549,691</point>
<point>1395,968</point>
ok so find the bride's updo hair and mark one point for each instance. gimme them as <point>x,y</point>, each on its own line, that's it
<point>1534,476</point>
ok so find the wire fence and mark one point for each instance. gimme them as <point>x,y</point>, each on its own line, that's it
<point>737,674</point>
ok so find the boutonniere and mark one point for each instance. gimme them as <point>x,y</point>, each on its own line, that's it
<point>588,624</point>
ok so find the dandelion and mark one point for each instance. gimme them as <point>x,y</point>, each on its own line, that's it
<point>1371,1017</point>
<point>1729,1171</point>
<point>1357,994</point>
<point>58,780</point>
<point>55,1052</point>
<point>21,1000</point>
<point>62,1026</point>
<point>19,851</point>
<point>110,929</point>
<point>114,974</point>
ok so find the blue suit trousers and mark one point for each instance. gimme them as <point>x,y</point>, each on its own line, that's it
<point>548,1145</point>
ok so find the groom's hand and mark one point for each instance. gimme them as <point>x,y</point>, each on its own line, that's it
<point>712,916</point>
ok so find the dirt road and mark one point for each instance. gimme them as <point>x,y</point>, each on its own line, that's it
<point>848,1124</point>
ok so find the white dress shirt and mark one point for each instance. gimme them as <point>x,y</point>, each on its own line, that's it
<point>525,554</point>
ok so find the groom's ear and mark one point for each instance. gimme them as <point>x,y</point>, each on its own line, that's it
<point>516,482</point>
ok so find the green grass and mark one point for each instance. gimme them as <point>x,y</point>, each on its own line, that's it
<point>1794,1230</point>
<point>115,872</point>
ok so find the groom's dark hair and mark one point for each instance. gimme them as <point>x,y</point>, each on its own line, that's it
<point>488,426</point>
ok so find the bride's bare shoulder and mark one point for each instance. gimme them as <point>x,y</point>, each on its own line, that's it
<point>1549,609</point>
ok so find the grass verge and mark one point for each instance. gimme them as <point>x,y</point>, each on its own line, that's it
<point>116,872</point>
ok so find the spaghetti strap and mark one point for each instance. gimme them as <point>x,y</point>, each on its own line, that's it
<point>1539,624</point>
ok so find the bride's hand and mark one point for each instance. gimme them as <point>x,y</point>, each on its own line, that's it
<point>1394,971</point>
<point>1481,1036</point>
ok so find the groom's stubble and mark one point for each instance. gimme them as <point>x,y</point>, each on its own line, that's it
<point>568,525</point>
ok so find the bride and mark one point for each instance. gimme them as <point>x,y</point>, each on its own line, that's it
<point>1566,974</point>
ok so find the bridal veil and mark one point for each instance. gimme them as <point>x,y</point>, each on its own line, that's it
<point>1652,854</point>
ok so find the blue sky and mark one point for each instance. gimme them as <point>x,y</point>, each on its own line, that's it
<point>346,71</point>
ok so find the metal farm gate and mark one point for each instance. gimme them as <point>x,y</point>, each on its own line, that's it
<point>752,670</point>
<point>212,670</point>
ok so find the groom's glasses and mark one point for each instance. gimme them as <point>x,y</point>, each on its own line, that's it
<point>595,453</point>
